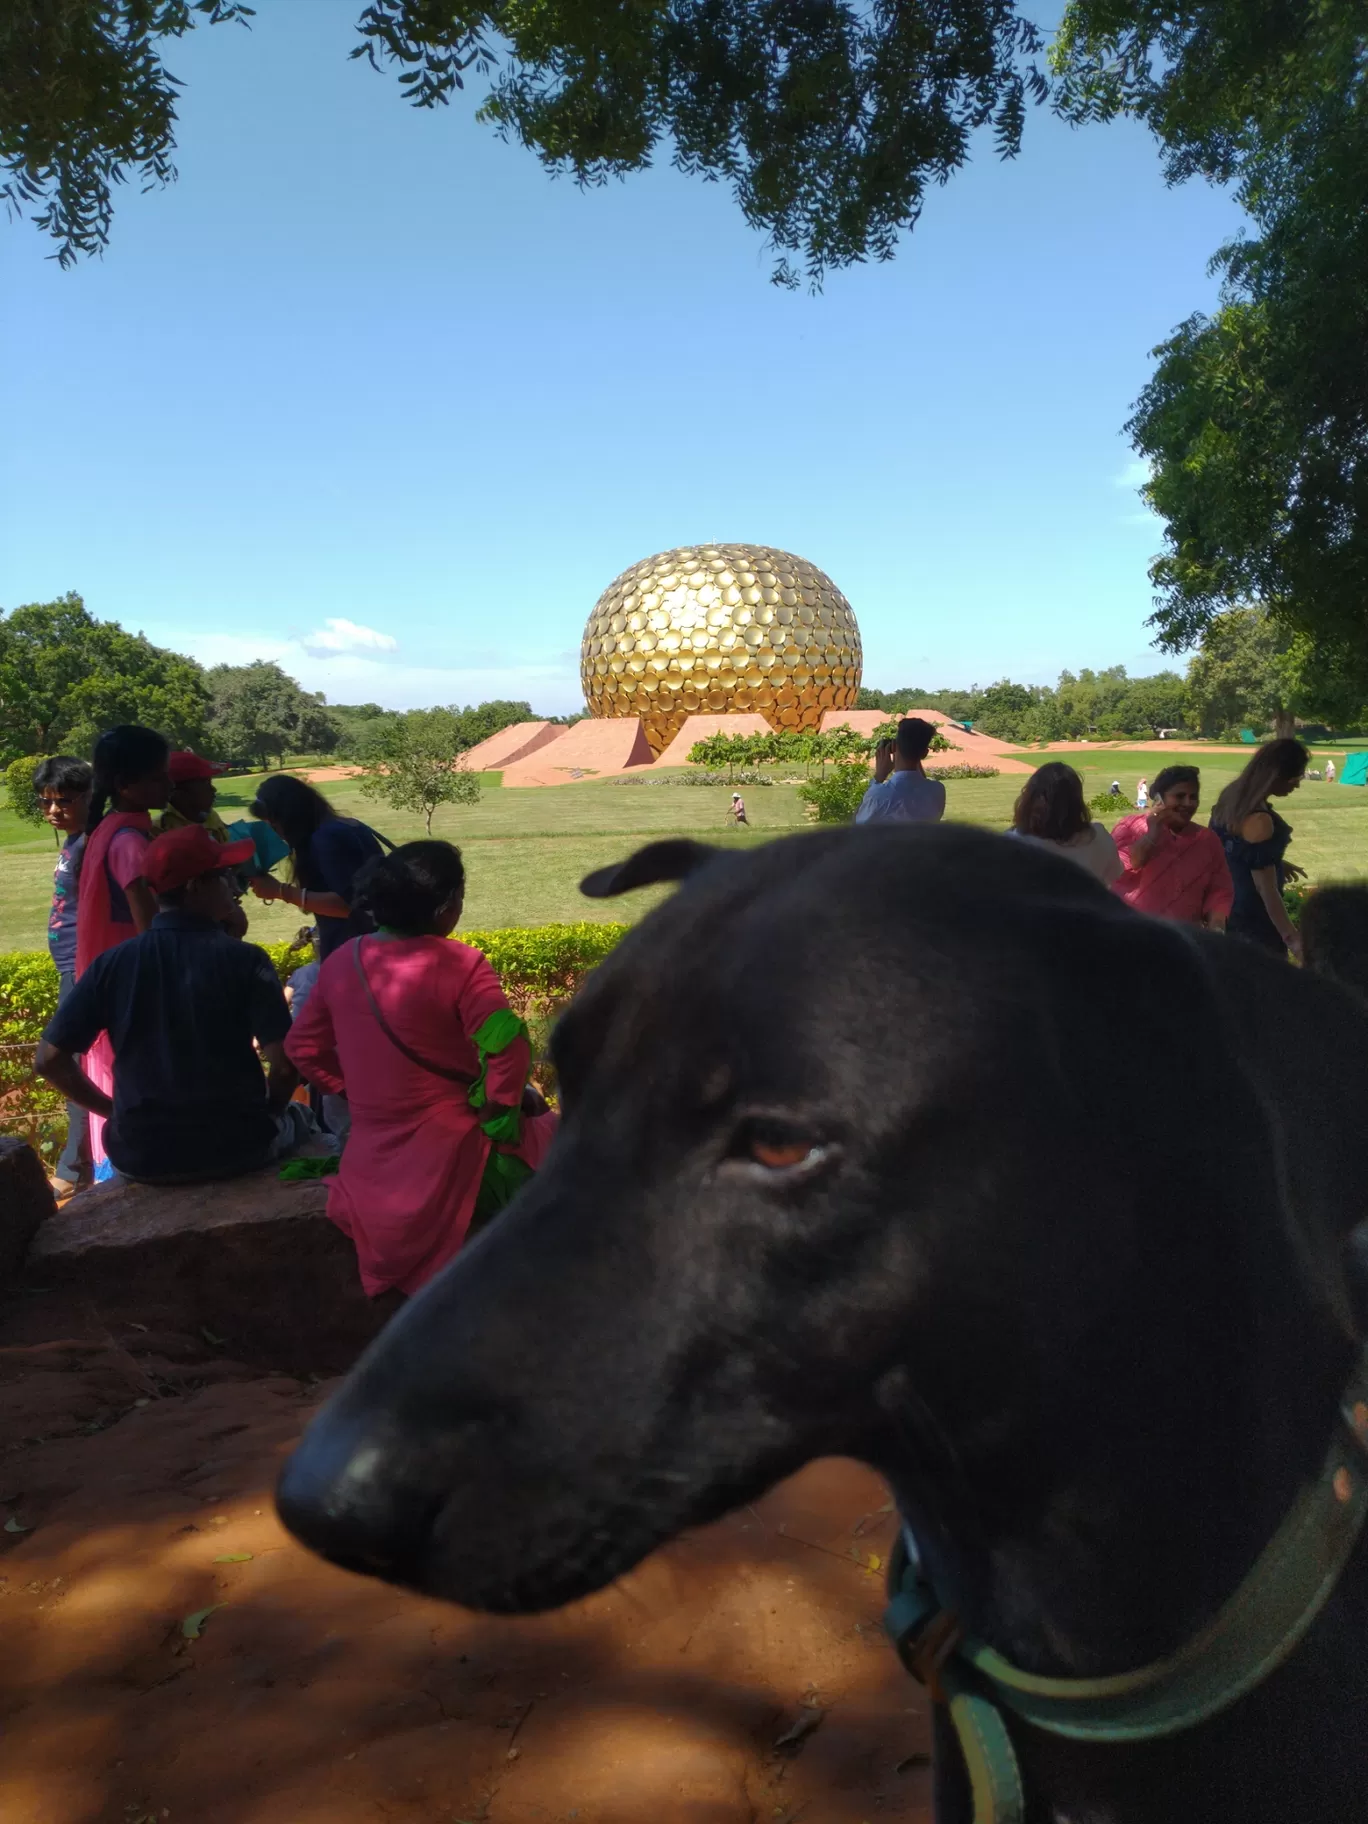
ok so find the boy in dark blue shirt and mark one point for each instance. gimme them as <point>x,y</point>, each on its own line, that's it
<point>185,1006</point>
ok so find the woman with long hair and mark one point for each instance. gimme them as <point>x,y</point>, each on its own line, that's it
<point>415,1030</point>
<point>328,852</point>
<point>1173,867</point>
<point>1050,809</point>
<point>129,781</point>
<point>1255,839</point>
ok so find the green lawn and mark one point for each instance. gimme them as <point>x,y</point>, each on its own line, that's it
<point>527,849</point>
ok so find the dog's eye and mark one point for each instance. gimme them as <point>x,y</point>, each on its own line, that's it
<point>778,1157</point>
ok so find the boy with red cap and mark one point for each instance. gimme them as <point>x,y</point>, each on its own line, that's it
<point>182,1005</point>
<point>193,794</point>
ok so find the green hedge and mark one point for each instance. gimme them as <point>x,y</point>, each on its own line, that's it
<point>540,966</point>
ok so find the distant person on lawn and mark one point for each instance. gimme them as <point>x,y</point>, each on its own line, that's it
<point>1050,811</point>
<point>193,793</point>
<point>129,782</point>
<point>1174,868</point>
<point>328,853</point>
<point>182,1004</point>
<point>62,788</point>
<point>417,1032</point>
<point>901,792</point>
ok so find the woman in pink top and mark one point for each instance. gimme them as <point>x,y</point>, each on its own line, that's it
<point>414,1029</point>
<point>130,781</point>
<point>1174,868</point>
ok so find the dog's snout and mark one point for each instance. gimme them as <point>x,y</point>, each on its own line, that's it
<point>345,1494</point>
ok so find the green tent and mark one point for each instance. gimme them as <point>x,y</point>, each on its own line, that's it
<point>1355,769</point>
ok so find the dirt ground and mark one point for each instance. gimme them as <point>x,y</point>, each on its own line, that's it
<point>171,1655</point>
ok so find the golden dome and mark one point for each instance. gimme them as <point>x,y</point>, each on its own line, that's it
<point>720,627</point>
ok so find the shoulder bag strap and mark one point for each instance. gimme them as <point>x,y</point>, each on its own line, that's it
<point>435,1070</point>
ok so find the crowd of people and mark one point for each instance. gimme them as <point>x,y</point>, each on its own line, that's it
<point>1227,874</point>
<point>398,1066</point>
<point>394,1060</point>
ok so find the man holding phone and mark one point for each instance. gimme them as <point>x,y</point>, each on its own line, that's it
<point>901,792</point>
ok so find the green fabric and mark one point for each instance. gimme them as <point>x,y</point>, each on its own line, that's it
<point>496,1034</point>
<point>504,1176</point>
<point>504,1129</point>
<point>1254,1632</point>
<point>294,1171</point>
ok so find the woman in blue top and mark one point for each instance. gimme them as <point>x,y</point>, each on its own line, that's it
<point>1255,840</point>
<point>329,852</point>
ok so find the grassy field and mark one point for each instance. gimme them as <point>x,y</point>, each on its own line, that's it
<point>527,849</point>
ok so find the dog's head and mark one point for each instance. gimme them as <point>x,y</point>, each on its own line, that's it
<point>880,1142</point>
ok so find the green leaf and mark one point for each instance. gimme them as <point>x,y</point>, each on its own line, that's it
<point>193,1625</point>
<point>13,1526</point>
<point>233,1558</point>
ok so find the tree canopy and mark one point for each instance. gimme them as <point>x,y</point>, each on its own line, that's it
<point>828,120</point>
<point>257,713</point>
<point>64,676</point>
<point>416,765</point>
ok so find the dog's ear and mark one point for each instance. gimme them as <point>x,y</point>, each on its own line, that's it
<point>673,860</point>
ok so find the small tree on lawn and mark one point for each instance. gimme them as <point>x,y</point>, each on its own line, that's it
<point>19,793</point>
<point>414,765</point>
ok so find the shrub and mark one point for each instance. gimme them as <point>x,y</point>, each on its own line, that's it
<point>541,966</point>
<point>1294,896</point>
<point>835,798</point>
<point>1111,804</point>
<point>961,770</point>
<point>747,776</point>
<point>19,793</point>
<point>28,1000</point>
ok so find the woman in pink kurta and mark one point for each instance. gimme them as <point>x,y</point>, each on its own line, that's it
<point>1174,868</point>
<point>129,781</point>
<point>414,1029</point>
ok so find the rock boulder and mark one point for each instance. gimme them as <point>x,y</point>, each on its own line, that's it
<point>253,1264</point>
<point>26,1201</point>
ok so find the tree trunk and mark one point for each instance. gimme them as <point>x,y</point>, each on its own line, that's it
<point>1284,724</point>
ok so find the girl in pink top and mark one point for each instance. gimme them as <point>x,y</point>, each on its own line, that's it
<point>130,780</point>
<point>414,1029</point>
<point>1174,868</point>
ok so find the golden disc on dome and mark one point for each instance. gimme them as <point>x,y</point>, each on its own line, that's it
<point>773,633</point>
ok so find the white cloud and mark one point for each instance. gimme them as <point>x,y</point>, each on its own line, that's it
<point>337,635</point>
<point>549,682</point>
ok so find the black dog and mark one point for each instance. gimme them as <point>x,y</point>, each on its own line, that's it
<point>841,1171</point>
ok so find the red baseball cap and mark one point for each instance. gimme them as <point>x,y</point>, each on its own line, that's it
<point>185,766</point>
<point>182,855</point>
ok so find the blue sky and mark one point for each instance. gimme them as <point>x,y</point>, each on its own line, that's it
<point>369,393</point>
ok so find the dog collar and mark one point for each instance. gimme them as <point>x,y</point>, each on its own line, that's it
<point>1253,1633</point>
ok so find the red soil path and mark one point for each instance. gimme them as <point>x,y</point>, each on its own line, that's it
<point>316,1697</point>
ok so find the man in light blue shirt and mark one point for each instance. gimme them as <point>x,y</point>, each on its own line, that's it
<point>901,792</point>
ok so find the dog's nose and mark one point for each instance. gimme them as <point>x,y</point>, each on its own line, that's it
<point>353,1495</point>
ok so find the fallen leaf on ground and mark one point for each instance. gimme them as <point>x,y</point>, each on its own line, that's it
<point>193,1625</point>
<point>233,1558</point>
<point>800,1729</point>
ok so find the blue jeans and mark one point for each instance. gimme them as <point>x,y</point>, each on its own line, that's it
<point>76,1153</point>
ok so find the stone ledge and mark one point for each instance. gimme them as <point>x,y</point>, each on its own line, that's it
<point>251,1261</point>
<point>26,1203</point>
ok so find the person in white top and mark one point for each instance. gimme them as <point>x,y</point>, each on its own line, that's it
<point>1329,772</point>
<point>1142,796</point>
<point>1051,811</point>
